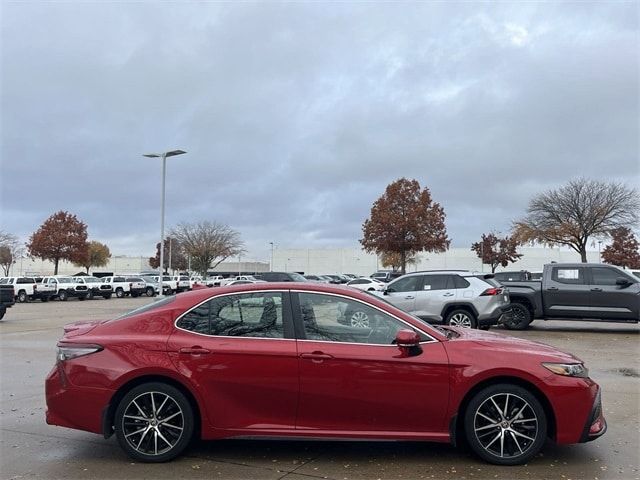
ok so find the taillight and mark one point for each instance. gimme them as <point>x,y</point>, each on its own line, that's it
<point>491,292</point>
<point>68,351</point>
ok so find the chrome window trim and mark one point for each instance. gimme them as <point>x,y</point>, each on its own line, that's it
<point>370,306</point>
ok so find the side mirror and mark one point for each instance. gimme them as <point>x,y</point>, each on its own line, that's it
<point>388,290</point>
<point>623,282</point>
<point>408,342</point>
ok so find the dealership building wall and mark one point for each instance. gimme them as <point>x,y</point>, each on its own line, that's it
<point>322,260</point>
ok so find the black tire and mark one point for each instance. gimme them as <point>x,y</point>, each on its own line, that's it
<point>82,297</point>
<point>461,318</point>
<point>177,436</point>
<point>90,295</point>
<point>3,310</point>
<point>520,317</point>
<point>150,292</point>
<point>119,292</point>
<point>511,439</point>
<point>63,295</point>
<point>106,296</point>
<point>22,296</point>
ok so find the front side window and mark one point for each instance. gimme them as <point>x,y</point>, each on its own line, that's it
<point>246,315</point>
<point>406,284</point>
<point>604,276</point>
<point>338,319</point>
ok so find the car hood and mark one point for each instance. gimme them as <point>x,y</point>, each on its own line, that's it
<point>498,343</point>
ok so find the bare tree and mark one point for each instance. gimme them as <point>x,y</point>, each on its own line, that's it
<point>208,243</point>
<point>582,208</point>
<point>10,250</point>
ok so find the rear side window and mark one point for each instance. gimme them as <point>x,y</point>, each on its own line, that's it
<point>568,275</point>
<point>26,280</point>
<point>118,279</point>
<point>459,282</point>
<point>436,282</point>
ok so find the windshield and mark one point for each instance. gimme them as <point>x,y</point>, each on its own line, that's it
<point>146,308</point>
<point>91,280</point>
<point>297,277</point>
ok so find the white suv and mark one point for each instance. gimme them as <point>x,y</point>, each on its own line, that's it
<point>454,297</point>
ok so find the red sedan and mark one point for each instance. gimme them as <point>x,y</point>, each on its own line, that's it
<point>274,360</point>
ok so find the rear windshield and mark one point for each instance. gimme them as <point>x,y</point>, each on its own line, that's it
<point>147,308</point>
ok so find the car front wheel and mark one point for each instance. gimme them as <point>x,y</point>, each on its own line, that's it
<point>505,424</point>
<point>119,293</point>
<point>520,317</point>
<point>154,422</point>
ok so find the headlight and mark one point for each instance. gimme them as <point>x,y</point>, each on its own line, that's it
<point>568,369</point>
<point>67,352</point>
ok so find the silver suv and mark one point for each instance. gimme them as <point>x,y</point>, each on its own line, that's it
<point>452,297</point>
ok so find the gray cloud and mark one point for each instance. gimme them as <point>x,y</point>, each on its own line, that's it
<point>296,116</point>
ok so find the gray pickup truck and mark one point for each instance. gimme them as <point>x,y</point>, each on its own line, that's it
<point>575,291</point>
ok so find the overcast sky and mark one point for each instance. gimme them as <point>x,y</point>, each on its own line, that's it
<point>296,116</point>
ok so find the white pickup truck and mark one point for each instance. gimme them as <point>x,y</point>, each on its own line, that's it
<point>124,286</point>
<point>97,287</point>
<point>27,288</point>
<point>248,278</point>
<point>65,287</point>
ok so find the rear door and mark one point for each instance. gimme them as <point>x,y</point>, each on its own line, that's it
<point>239,351</point>
<point>566,292</point>
<point>435,292</point>
<point>609,300</point>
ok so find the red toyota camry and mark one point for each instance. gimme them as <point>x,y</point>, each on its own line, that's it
<point>275,360</point>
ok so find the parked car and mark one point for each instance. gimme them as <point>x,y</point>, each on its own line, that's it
<point>124,286</point>
<point>458,298</point>
<point>153,285</point>
<point>281,277</point>
<point>27,288</point>
<point>576,291</point>
<point>97,287</point>
<point>399,379</point>
<point>336,279</point>
<point>368,284</point>
<point>317,278</point>
<point>7,298</point>
<point>386,275</point>
<point>243,282</point>
<point>65,287</point>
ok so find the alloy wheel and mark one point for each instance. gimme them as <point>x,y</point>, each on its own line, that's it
<point>153,423</point>
<point>505,425</point>
<point>359,319</point>
<point>460,320</point>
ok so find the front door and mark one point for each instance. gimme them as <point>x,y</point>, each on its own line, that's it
<point>354,378</point>
<point>240,351</point>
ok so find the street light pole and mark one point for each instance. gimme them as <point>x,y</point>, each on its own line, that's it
<point>164,156</point>
<point>271,262</point>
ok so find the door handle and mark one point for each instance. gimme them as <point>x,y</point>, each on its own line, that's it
<point>596,289</point>
<point>553,289</point>
<point>316,357</point>
<point>409,297</point>
<point>194,350</point>
<point>448,295</point>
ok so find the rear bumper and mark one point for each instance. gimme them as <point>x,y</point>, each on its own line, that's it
<point>497,317</point>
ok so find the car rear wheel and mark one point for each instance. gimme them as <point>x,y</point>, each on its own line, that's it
<point>119,293</point>
<point>90,295</point>
<point>505,424</point>
<point>154,422</point>
<point>520,317</point>
<point>22,296</point>
<point>461,318</point>
<point>63,295</point>
<point>150,292</point>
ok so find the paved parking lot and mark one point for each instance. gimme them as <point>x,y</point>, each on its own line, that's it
<point>31,449</point>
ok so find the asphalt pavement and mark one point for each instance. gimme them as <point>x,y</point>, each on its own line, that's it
<point>29,448</point>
